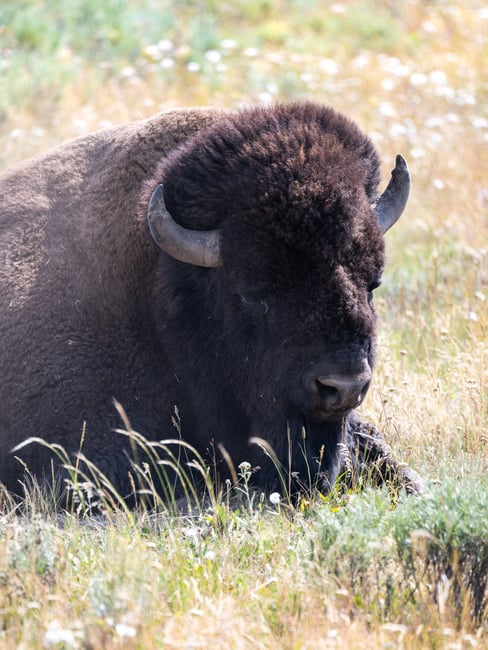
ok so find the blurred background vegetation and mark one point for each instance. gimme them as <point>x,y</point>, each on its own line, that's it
<point>69,66</point>
<point>413,74</point>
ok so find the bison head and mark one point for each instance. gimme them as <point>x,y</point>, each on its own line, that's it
<point>276,212</point>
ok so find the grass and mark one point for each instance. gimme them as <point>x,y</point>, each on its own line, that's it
<point>253,576</point>
<point>355,570</point>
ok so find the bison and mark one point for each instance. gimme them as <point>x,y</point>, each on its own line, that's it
<point>215,264</point>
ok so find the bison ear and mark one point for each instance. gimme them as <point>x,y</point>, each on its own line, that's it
<point>392,202</point>
<point>197,247</point>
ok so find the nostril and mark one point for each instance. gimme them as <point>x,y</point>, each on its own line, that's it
<point>364,391</point>
<point>342,393</point>
<point>329,393</point>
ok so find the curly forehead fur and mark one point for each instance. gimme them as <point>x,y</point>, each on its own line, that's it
<point>299,174</point>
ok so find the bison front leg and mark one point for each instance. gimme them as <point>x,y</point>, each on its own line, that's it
<point>366,460</point>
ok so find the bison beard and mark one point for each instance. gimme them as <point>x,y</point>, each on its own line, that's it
<point>221,263</point>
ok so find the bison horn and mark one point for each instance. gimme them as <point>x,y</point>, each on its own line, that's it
<point>198,247</point>
<point>392,202</point>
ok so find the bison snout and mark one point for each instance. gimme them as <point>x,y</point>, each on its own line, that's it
<point>341,394</point>
<point>335,393</point>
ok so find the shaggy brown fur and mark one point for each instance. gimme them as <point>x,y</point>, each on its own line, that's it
<point>93,310</point>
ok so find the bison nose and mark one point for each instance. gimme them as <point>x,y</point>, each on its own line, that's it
<point>342,393</point>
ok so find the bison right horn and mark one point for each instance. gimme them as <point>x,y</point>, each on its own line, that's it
<point>197,247</point>
<point>392,202</point>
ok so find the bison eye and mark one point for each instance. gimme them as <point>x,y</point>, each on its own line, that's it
<point>374,285</point>
<point>253,293</point>
<point>249,301</point>
<point>253,296</point>
<point>371,287</point>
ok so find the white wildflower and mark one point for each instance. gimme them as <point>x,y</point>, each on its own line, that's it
<point>127,631</point>
<point>229,44</point>
<point>338,8</point>
<point>434,122</point>
<point>251,52</point>
<point>417,152</point>
<point>438,77</point>
<point>152,52</point>
<point>464,98</point>
<point>167,63</point>
<point>165,45</point>
<point>212,56</point>
<point>453,118</point>
<point>265,98</point>
<point>418,79</point>
<point>329,66</point>
<point>397,129</point>
<point>128,72</point>
<point>479,122</point>
<point>275,498</point>
<point>361,61</point>
<point>387,84</point>
<point>429,27</point>
<point>387,109</point>
<point>55,634</point>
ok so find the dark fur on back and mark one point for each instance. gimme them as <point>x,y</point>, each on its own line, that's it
<point>98,312</point>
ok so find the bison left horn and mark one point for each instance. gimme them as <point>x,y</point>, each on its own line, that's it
<point>197,247</point>
<point>392,202</point>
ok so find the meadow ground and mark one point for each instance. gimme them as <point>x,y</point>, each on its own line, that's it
<point>356,570</point>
